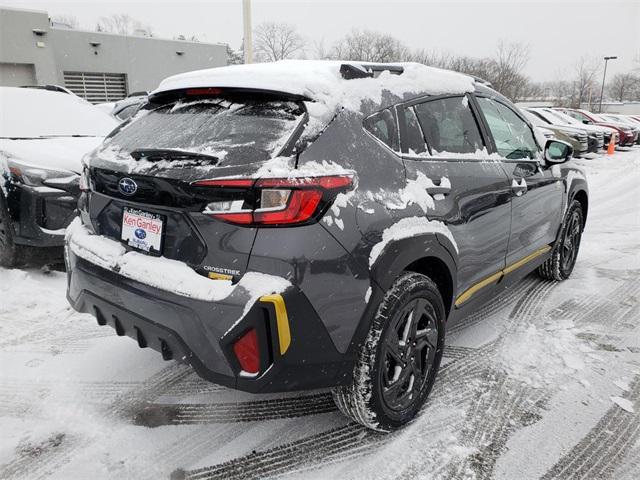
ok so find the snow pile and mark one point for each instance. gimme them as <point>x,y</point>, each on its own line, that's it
<point>539,356</point>
<point>407,228</point>
<point>163,273</point>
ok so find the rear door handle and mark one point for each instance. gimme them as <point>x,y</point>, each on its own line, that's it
<point>442,187</point>
<point>519,188</point>
<point>439,190</point>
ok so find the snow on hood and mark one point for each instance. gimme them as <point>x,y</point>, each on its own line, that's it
<point>28,113</point>
<point>321,81</point>
<point>60,153</point>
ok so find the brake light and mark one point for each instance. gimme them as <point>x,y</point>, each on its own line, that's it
<point>274,201</point>
<point>204,91</point>
<point>247,351</point>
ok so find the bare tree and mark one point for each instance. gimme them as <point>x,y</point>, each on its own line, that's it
<point>585,83</point>
<point>123,24</point>
<point>505,72</point>
<point>276,41</point>
<point>70,20</point>
<point>369,46</point>
<point>624,86</point>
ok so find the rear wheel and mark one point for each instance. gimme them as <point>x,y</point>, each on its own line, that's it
<point>565,252</point>
<point>399,359</point>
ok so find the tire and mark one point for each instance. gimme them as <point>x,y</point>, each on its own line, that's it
<point>565,251</point>
<point>376,396</point>
<point>11,255</point>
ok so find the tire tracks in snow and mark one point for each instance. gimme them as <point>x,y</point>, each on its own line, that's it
<point>157,414</point>
<point>39,461</point>
<point>605,446</point>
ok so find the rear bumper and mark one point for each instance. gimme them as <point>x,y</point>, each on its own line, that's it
<point>202,333</point>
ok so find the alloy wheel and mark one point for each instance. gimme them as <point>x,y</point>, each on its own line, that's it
<point>571,241</point>
<point>409,351</point>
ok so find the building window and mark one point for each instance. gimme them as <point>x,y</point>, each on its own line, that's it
<point>97,87</point>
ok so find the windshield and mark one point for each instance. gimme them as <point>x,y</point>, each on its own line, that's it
<point>36,113</point>
<point>231,130</point>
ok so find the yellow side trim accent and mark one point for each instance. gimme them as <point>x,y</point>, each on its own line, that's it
<point>526,259</point>
<point>219,276</point>
<point>467,294</point>
<point>282,320</point>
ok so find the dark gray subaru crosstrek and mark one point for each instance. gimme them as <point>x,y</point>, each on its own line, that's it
<point>302,225</point>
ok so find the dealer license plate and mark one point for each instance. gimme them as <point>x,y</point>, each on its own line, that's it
<point>142,230</point>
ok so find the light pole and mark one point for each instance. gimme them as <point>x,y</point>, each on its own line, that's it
<point>606,60</point>
<point>248,41</point>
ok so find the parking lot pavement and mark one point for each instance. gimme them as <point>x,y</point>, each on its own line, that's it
<point>544,382</point>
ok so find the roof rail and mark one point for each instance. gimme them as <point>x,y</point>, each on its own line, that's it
<point>350,71</point>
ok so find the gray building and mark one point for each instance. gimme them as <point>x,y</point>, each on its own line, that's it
<point>100,67</point>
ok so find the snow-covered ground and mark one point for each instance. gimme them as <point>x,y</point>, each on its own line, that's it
<point>544,382</point>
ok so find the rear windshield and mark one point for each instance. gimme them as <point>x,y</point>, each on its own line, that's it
<point>233,131</point>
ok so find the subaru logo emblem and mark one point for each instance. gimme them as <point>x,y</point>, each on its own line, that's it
<point>140,233</point>
<point>127,186</point>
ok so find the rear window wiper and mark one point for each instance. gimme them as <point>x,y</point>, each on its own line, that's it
<point>157,154</point>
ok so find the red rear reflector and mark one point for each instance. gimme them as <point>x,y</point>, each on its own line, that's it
<point>247,351</point>
<point>204,91</point>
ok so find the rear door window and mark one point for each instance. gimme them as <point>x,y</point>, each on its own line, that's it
<point>384,126</point>
<point>513,137</point>
<point>449,126</point>
<point>235,131</point>
<point>414,143</point>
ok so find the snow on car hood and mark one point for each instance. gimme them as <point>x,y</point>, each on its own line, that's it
<point>61,153</point>
<point>30,113</point>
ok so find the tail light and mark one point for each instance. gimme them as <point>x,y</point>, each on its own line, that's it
<point>247,351</point>
<point>273,201</point>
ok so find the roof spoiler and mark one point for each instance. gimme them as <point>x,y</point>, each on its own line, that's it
<point>481,81</point>
<point>350,71</point>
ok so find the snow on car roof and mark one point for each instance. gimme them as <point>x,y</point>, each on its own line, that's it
<point>321,81</point>
<point>29,113</point>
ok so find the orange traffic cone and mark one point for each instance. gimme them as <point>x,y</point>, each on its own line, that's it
<point>612,145</point>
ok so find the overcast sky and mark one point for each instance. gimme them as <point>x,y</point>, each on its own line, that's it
<point>559,32</point>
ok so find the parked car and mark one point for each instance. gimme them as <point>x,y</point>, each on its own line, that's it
<point>51,88</point>
<point>43,136</point>
<point>597,136</point>
<point>576,137</point>
<point>624,133</point>
<point>124,109</point>
<point>299,225</point>
<point>634,124</point>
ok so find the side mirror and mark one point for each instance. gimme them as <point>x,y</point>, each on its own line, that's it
<point>557,151</point>
<point>586,122</point>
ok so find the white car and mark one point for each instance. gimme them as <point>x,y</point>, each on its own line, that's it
<point>43,137</point>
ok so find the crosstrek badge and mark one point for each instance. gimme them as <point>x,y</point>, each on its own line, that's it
<point>142,230</point>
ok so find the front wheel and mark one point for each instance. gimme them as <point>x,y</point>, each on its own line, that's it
<point>399,359</point>
<point>565,252</point>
